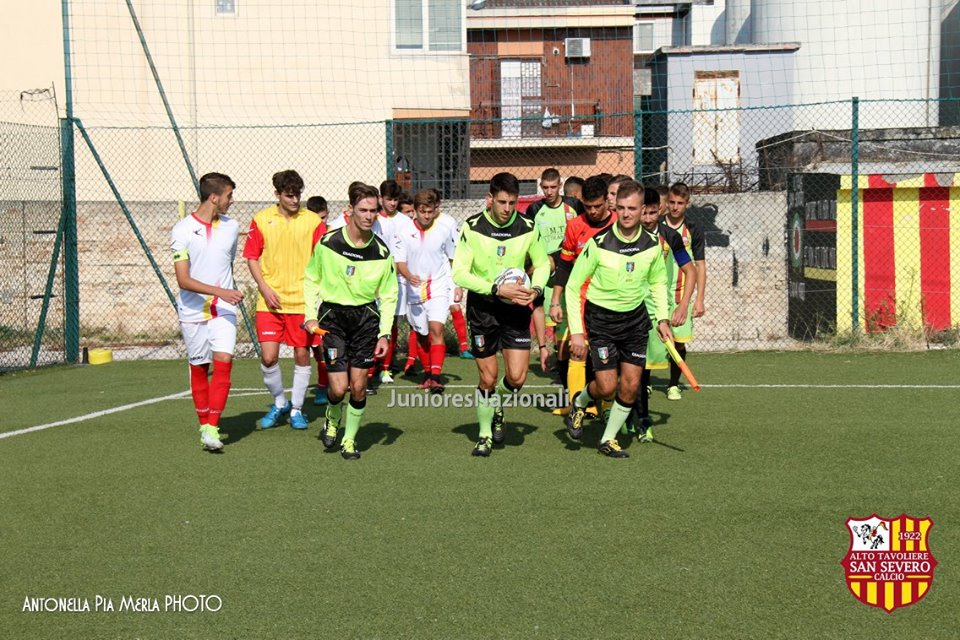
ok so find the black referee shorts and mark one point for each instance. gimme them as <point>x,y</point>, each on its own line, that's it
<point>496,325</point>
<point>351,335</point>
<point>617,336</point>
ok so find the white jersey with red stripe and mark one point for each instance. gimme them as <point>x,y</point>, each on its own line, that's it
<point>210,250</point>
<point>427,253</point>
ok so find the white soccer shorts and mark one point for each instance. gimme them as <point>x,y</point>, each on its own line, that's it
<point>203,338</point>
<point>436,309</point>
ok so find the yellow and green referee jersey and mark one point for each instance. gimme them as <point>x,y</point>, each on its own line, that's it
<point>623,275</point>
<point>341,273</point>
<point>283,246</point>
<point>485,249</point>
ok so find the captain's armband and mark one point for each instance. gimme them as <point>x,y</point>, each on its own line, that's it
<point>180,256</point>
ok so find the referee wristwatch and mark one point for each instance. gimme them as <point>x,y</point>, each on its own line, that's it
<point>539,291</point>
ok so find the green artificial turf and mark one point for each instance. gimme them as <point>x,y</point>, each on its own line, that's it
<point>731,525</point>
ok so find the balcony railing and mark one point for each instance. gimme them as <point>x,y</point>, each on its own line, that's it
<point>534,118</point>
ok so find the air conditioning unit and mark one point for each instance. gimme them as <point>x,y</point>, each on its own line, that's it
<point>577,47</point>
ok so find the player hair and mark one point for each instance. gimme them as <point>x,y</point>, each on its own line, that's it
<point>425,197</point>
<point>619,179</point>
<point>680,189</point>
<point>213,184</point>
<point>405,198</point>
<point>437,193</point>
<point>577,180</point>
<point>594,187</point>
<point>288,181</point>
<point>390,189</point>
<point>664,191</point>
<point>550,174</point>
<point>629,187</point>
<point>505,182</point>
<point>360,191</point>
<point>606,177</point>
<point>651,195</point>
<point>317,204</point>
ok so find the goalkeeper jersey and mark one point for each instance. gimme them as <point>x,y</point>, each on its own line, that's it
<point>344,274</point>
<point>623,275</point>
<point>210,250</point>
<point>485,249</point>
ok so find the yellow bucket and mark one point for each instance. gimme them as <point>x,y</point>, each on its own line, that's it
<point>100,356</point>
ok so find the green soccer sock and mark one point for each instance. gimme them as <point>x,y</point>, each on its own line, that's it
<point>619,413</point>
<point>582,400</point>
<point>504,390</point>
<point>485,410</point>
<point>334,413</point>
<point>354,413</point>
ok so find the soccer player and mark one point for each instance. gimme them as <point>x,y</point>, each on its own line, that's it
<point>423,258</point>
<point>491,242</point>
<point>550,215</point>
<point>392,225</point>
<point>456,311</point>
<point>677,205</point>
<point>573,187</point>
<point>612,186</point>
<point>596,218</point>
<point>350,269</point>
<point>318,204</point>
<point>204,245</point>
<point>278,246</point>
<point>675,258</point>
<point>405,204</point>
<point>628,284</point>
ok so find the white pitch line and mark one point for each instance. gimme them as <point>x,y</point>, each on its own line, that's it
<point>95,414</point>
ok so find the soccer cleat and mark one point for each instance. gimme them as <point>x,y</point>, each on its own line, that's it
<point>299,422</point>
<point>630,426</point>
<point>649,391</point>
<point>328,435</point>
<point>483,448</point>
<point>673,393</point>
<point>437,387</point>
<point>385,377</point>
<point>466,355</point>
<point>210,438</point>
<point>348,450</point>
<point>499,433</point>
<point>574,421</point>
<point>646,435</point>
<point>611,449</point>
<point>320,397</point>
<point>273,416</point>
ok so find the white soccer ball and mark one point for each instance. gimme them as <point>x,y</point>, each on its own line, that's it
<point>513,275</point>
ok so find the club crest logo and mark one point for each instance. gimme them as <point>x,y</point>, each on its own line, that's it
<point>501,250</point>
<point>332,356</point>
<point>631,266</point>
<point>889,564</point>
<point>478,340</point>
<point>603,353</point>
<point>351,270</point>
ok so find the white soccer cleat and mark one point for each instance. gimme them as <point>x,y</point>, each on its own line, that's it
<point>210,438</point>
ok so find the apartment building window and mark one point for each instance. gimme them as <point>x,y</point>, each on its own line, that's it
<point>226,7</point>
<point>643,33</point>
<point>428,25</point>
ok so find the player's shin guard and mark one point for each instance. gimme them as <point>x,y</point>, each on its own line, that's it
<point>200,390</point>
<point>334,412</point>
<point>460,326</point>
<point>643,398</point>
<point>576,377</point>
<point>619,412</point>
<point>352,423</point>
<point>426,358</point>
<point>505,390</point>
<point>219,390</point>
<point>274,383</point>
<point>301,380</point>
<point>674,369</point>
<point>437,352</point>
<point>412,350</point>
<point>322,378</point>
<point>485,410</point>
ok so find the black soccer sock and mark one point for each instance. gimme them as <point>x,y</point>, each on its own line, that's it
<point>643,399</point>
<point>562,367</point>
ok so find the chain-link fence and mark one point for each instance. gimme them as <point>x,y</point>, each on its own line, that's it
<point>31,281</point>
<point>771,191</point>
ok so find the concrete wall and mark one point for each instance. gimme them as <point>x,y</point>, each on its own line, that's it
<point>122,299</point>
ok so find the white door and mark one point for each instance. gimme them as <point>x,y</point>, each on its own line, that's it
<point>510,98</point>
<point>716,120</point>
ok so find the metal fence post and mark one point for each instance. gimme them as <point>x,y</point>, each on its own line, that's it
<point>71,262</point>
<point>638,143</point>
<point>391,165</point>
<point>854,214</point>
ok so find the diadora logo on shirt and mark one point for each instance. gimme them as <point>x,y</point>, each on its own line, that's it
<point>629,250</point>
<point>351,270</point>
<point>356,256</point>
<point>500,234</point>
<point>501,251</point>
